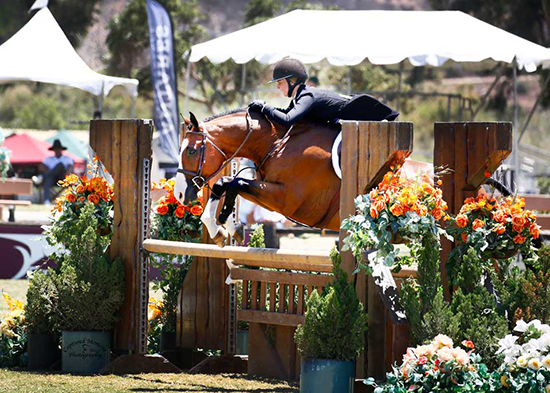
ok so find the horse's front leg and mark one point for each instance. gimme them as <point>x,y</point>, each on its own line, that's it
<point>216,232</point>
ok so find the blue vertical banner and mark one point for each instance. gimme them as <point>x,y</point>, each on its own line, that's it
<point>163,78</point>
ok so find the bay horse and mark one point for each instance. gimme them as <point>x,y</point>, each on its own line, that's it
<point>294,178</point>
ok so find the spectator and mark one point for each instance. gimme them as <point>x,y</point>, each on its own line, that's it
<point>53,169</point>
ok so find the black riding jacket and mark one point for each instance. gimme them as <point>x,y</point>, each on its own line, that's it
<point>323,106</point>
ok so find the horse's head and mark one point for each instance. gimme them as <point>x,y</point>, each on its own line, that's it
<point>199,159</point>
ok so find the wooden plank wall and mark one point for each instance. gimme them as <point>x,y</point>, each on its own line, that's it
<point>368,151</point>
<point>121,145</point>
<point>203,313</point>
<point>469,150</point>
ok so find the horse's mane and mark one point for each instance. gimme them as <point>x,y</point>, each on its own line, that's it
<point>226,113</point>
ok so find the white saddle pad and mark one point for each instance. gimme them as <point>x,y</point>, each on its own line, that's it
<point>335,157</point>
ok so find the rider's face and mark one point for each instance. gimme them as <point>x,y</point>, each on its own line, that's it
<point>282,85</point>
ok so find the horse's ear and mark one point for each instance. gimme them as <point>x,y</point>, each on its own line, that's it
<point>194,121</point>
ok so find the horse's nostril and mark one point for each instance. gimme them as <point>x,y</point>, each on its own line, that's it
<point>181,196</point>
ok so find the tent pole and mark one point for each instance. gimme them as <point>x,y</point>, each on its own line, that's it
<point>243,82</point>
<point>187,79</point>
<point>398,98</point>
<point>349,80</point>
<point>515,158</point>
<point>133,109</point>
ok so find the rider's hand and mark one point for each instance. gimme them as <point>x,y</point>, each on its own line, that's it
<point>256,105</point>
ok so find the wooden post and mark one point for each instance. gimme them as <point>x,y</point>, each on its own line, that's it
<point>368,151</point>
<point>122,146</point>
<point>470,151</point>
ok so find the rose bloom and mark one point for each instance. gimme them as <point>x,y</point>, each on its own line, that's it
<point>499,216</point>
<point>518,220</point>
<point>162,210</point>
<point>468,344</point>
<point>517,228</point>
<point>464,237</point>
<point>534,230</point>
<point>94,198</point>
<point>445,354</point>
<point>422,210</point>
<point>519,239</point>
<point>396,210</point>
<point>547,388</point>
<point>425,350</point>
<point>534,364</point>
<point>80,189</point>
<point>500,229</point>
<point>437,214</point>
<point>477,224</point>
<point>180,211</point>
<point>373,212</point>
<point>461,356</point>
<point>442,340</point>
<point>422,360</point>
<point>196,210</point>
<point>379,205</point>
<point>461,220</point>
<point>71,198</point>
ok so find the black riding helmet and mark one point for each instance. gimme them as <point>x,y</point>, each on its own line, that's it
<point>288,68</point>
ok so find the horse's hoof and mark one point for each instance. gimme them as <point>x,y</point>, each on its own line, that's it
<point>239,233</point>
<point>221,237</point>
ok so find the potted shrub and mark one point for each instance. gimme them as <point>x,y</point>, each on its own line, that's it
<point>43,339</point>
<point>90,287</point>
<point>398,210</point>
<point>175,222</point>
<point>332,336</point>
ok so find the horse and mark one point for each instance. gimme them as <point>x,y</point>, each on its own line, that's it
<point>294,170</point>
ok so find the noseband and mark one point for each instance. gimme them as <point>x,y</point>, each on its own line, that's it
<point>197,178</point>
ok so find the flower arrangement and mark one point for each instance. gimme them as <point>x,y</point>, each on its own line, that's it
<point>176,222</point>
<point>399,207</point>
<point>437,367</point>
<point>495,228</point>
<point>13,334</point>
<point>93,190</point>
<point>4,158</point>
<point>526,365</point>
<point>154,329</point>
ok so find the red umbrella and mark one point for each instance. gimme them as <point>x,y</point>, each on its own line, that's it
<point>26,150</point>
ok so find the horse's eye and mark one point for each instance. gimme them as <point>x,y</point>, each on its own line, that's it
<point>191,152</point>
<point>190,126</point>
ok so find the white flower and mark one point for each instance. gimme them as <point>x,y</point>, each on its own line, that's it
<point>442,341</point>
<point>506,343</point>
<point>522,361</point>
<point>521,326</point>
<point>534,364</point>
<point>546,361</point>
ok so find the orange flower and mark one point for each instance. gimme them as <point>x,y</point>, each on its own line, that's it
<point>373,212</point>
<point>468,344</point>
<point>487,174</point>
<point>196,210</point>
<point>462,220</point>
<point>477,224</point>
<point>499,216</point>
<point>162,210</point>
<point>518,220</point>
<point>517,228</point>
<point>379,205</point>
<point>81,199</point>
<point>397,210</point>
<point>180,211</point>
<point>500,229</point>
<point>422,210</point>
<point>94,198</point>
<point>437,214</point>
<point>519,239</point>
<point>80,189</point>
<point>71,198</point>
<point>534,230</point>
<point>439,182</point>
<point>464,237</point>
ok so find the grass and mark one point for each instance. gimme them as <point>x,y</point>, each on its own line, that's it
<point>22,381</point>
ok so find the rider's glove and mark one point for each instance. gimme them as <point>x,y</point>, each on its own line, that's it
<point>256,105</point>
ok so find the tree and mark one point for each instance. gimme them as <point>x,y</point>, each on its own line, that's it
<point>74,16</point>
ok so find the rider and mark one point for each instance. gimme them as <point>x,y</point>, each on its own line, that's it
<point>316,104</point>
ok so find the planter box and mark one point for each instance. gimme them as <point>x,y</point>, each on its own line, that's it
<point>327,376</point>
<point>85,352</point>
<point>242,342</point>
<point>43,351</point>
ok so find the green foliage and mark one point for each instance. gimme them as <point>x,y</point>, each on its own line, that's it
<point>529,291</point>
<point>335,322</point>
<point>257,11</point>
<point>13,349</point>
<point>74,16</point>
<point>257,239</point>
<point>39,310</point>
<point>543,184</point>
<point>90,287</point>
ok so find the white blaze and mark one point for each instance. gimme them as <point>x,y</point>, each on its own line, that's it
<point>181,184</point>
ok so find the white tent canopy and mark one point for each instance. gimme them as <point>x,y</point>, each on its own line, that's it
<point>40,52</point>
<point>382,37</point>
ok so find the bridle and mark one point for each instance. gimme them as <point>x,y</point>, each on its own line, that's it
<point>197,178</point>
